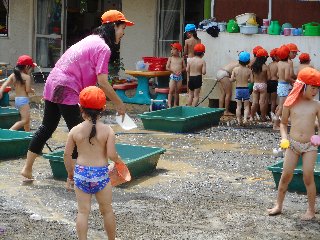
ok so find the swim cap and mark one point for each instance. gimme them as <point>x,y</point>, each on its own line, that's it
<point>176,46</point>
<point>292,47</point>
<point>283,52</point>
<point>255,49</point>
<point>189,27</point>
<point>244,56</point>
<point>199,48</point>
<point>92,97</point>
<point>273,52</point>
<point>114,16</point>
<point>304,57</point>
<point>262,53</point>
<point>26,60</point>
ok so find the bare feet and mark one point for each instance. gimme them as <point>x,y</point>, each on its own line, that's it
<point>308,216</point>
<point>274,211</point>
<point>227,113</point>
<point>27,175</point>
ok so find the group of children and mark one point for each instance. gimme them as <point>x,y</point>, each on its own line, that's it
<point>259,84</point>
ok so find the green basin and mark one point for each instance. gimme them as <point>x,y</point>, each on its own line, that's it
<point>181,119</point>
<point>14,143</point>
<point>8,117</point>
<point>296,184</point>
<point>140,160</point>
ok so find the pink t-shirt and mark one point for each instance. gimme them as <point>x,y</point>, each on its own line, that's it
<point>77,68</point>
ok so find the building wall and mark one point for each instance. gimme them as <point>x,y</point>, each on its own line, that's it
<point>226,47</point>
<point>20,37</point>
<point>139,40</point>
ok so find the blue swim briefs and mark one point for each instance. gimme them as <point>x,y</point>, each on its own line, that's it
<point>242,93</point>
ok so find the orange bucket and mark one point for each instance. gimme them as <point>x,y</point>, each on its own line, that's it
<point>119,173</point>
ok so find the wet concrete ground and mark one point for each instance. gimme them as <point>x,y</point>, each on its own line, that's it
<point>212,184</point>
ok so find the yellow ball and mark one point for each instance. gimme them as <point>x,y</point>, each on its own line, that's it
<point>284,144</point>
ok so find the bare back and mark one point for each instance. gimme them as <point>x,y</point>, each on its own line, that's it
<point>273,67</point>
<point>230,66</point>
<point>21,89</point>
<point>302,66</point>
<point>242,75</point>
<point>284,71</point>
<point>92,154</point>
<point>263,76</point>
<point>196,66</point>
<point>189,46</point>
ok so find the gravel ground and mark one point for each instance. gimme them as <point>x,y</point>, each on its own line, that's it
<point>212,184</point>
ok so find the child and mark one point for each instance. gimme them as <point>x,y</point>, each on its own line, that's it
<point>272,83</point>
<point>304,61</point>
<point>223,76</point>
<point>254,52</point>
<point>190,42</point>
<point>21,80</point>
<point>176,65</point>
<point>95,143</point>
<point>303,111</point>
<point>242,75</point>
<point>284,82</point>
<point>196,67</point>
<point>292,55</point>
<point>261,74</point>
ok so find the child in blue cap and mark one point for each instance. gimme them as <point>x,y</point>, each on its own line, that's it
<point>242,75</point>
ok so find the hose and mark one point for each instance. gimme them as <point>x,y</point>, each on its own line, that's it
<point>208,93</point>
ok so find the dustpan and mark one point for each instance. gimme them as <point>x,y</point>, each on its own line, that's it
<point>119,173</point>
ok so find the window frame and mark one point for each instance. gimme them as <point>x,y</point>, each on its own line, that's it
<point>7,22</point>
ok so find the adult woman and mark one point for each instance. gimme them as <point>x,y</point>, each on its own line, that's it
<point>83,64</point>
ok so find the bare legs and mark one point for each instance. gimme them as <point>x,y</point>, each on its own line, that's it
<point>259,99</point>
<point>104,199</point>
<point>276,122</point>
<point>226,93</point>
<point>246,111</point>
<point>193,97</point>
<point>290,162</point>
<point>174,89</point>
<point>25,119</point>
<point>27,168</point>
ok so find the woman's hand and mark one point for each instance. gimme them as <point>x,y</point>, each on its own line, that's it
<point>121,109</point>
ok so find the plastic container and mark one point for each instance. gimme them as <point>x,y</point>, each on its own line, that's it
<point>287,32</point>
<point>274,28</point>
<point>8,117</point>
<point>181,119</point>
<point>140,160</point>
<point>311,29</point>
<point>243,18</point>
<point>249,29</point>
<point>14,144</point>
<point>266,22</point>
<point>4,101</point>
<point>264,29</point>
<point>118,173</point>
<point>156,63</point>
<point>232,26</point>
<point>222,26</point>
<point>296,183</point>
<point>127,123</point>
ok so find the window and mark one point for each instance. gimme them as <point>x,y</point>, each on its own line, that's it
<point>4,12</point>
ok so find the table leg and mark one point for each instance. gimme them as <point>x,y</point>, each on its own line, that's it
<point>142,95</point>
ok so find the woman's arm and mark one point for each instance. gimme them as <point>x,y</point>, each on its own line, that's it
<point>110,93</point>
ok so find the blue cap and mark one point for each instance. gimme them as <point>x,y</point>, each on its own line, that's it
<point>189,27</point>
<point>244,56</point>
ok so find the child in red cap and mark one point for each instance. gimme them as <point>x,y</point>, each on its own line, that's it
<point>272,83</point>
<point>292,55</point>
<point>284,82</point>
<point>176,66</point>
<point>95,142</point>
<point>303,110</point>
<point>261,74</point>
<point>196,67</point>
<point>305,60</point>
<point>21,80</point>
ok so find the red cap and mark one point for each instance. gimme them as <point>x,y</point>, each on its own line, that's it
<point>273,52</point>
<point>199,48</point>
<point>92,97</point>
<point>262,53</point>
<point>114,16</point>
<point>309,76</point>
<point>255,49</point>
<point>176,46</point>
<point>292,47</point>
<point>283,52</point>
<point>26,60</point>
<point>304,57</point>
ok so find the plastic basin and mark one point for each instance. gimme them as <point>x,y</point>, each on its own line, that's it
<point>140,160</point>
<point>296,184</point>
<point>14,143</point>
<point>8,117</point>
<point>181,119</point>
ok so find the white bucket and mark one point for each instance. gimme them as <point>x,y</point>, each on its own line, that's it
<point>222,26</point>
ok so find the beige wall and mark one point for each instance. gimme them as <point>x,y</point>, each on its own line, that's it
<point>139,40</point>
<point>226,47</point>
<point>20,31</point>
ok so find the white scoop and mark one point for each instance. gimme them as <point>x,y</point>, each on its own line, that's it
<point>127,123</point>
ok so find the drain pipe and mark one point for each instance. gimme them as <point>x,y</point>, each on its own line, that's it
<point>270,10</point>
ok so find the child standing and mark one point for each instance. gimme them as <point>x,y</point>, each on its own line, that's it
<point>292,55</point>
<point>304,61</point>
<point>303,111</point>
<point>176,66</point>
<point>95,143</point>
<point>196,67</point>
<point>242,75</point>
<point>21,80</point>
<point>261,74</point>
<point>272,83</point>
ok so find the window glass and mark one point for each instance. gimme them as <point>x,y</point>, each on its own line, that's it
<point>4,12</point>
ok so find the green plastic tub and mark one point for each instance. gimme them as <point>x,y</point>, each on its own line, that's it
<point>8,117</point>
<point>296,184</point>
<point>140,160</point>
<point>181,119</point>
<point>14,144</point>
